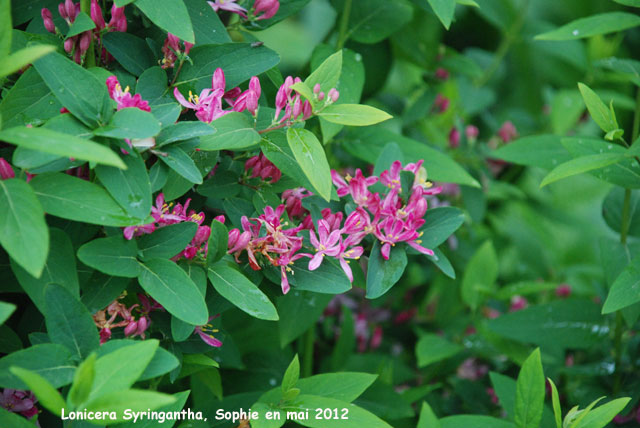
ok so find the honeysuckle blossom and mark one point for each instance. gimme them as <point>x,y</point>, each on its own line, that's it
<point>507,132</point>
<point>6,170</point>
<point>265,9</point>
<point>292,199</point>
<point>132,326</point>
<point>206,333</point>
<point>123,98</point>
<point>229,6</point>
<point>262,167</point>
<point>172,50</point>
<point>17,401</point>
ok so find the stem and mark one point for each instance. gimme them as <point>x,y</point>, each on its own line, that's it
<point>307,361</point>
<point>626,207</point>
<point>504,46</point>
<point>636,119</point>
<point>175,76</point>
<point>85,6</point>
<point>344,25</point>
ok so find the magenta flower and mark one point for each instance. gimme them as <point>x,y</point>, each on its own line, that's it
<point>293,201</point>
<point>348,253</point>
<point>248,100</point>
<point>391,231</point>
<point>229,6</point>
<point>206,333</point>
<point>6,171</point>
<point>172,49</point>
<point>17,401</point>
<point>130,232</point>
<point>123,98</point>
<point>262,167</point>
<point>327,245</point>
<point>208,105</point>
<point>507,132</point>
<point>472,133</point>
<point>454,138</point>
<point>265,9</point>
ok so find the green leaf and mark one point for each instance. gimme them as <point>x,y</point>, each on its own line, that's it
<point>555,399</point>
<point>179,161</point>
<point>233,132</point>
<point>569,323</point>
<point>353,114</point>
<point>581,165</point>
<point>83,381</point>
<point>372,21</point>
<point>57,143</point>
<point>114,256</point>
<point>440,224</point>
<point>131,188</point>
<point>69,322</point>
<point>60,268</point>
<point>602,415</point>
<point>130,51</point>
<point>81,24</point>
<point>13,420</point>
<point>383,274</point>
<point>602,23</point>
<point>22,58</point>
<point>625,290</point>
<point>134,400</point>
<point>309,153</point>
<point>218,242</point>
<point>299,310</point>
<point>237,289</point>
<point>632,3</point>
<point>30,99</point>
<point>599,112</point>
<point>184,131</point>
<point>428,419</point>
<point>50,360</point>
<point>177,406</point>
<point>239,61</point>
<point>349,415</point>
<point>530,392</point>
<point>291,376</point>
<point>206,24</point>
<point>132,123</point>
<point>5,28</point>
<point>432,348</point>
<point>327,74</point>
<point>6,309</point>
<point>172,288</point>
<point>121,368</point>
<point>439,166</point>
<point>475,421</point>
<point>77,89</point>
<point>170,15</point>
<point>612,208</point>
<point>444,10</point>
<point>72,198</point>
<point>480,275</point>
<point>23,231</point>
<point>543,151</point>
<point>47,395</point>
<point>167,241</point>
<point>329,278</point>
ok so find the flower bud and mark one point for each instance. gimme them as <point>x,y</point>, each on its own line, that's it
<point>85,41</point>
<point>96,15</point>
<point>442,74</point>
<point>62,11</point>
<point>68,44</point>
<point>321,96</point>
<point>187,47</point>
<point>454,138</point>
<point>252,103</point>
<point>254,85</point>
<point>6,171</point>
<point>472,133</point>
<point>143,324</point>
<point>316,89</point>
<point>218,80</point>
<point>507,132</point>
<point>266,8</point>
<point>297,107</point>
<point>47,19</point>
<point>70,8</point>
<point>334,94</point>
<point>307,111</point>
<point>202,235</point>
<point>131,328</point>
<point>77,56</point>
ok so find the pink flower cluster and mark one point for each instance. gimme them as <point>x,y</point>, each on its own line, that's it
<point>208,105</point>
<point>275,245</point>
<point>16,401</point>
<point>262,167</point>
<point>132,327</point>
<point>294,108</point>
<point>79,44</point>
<point>173,51</point>
<point>123,98</point>
<point>165,214</point>
<point>262,9</point>
<point>390,217</point>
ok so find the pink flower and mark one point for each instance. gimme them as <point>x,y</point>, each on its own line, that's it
<point>454,138</point>
<point>17,401</point>
<point>471,133</point>
<point>208,105</point>
<point>441,104</point>
<point>248,100</point>
<point>293,201</point>
<point>391,231</point>
<point>96,15</point>
<point>124,98</point>
<point>262,167</point>
<point>294,108</point>
<point>130,232</point>
<point>206,333</point>
<point>47,19</point>
<point>471,370</point>
<point>229,6</point>
<point>507,132</point>
<point>265,9</point>
<point>518,303</point>
<point>357,187</point>
<point>6,171</point>
<point>441,73</point>
<point>327,245</point>
<point>172,49</point>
